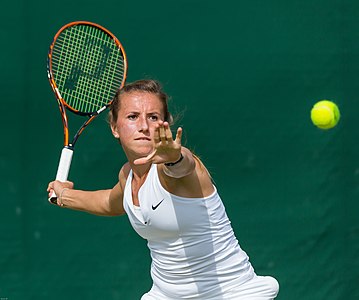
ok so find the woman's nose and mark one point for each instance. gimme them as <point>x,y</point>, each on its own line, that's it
<point>143,124</point>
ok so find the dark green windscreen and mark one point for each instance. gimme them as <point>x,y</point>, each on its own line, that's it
<point>243,77</point>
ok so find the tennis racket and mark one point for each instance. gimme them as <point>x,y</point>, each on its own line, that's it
<point>86,66</point>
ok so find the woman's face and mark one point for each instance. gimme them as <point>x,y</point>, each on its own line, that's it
<point>138,115</point>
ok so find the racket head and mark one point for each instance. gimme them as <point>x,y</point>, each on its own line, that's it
<point>86,66</point>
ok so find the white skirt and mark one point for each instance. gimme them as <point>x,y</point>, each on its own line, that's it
<point>257,288</point>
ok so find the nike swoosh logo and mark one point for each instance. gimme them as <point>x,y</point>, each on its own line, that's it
<point>154,207</point>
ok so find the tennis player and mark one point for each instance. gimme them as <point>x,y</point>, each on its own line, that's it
<point>170,200</point>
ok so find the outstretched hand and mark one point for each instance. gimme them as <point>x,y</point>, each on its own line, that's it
<point>165,148</point>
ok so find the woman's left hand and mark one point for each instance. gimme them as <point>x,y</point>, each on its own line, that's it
<point>165,148</point>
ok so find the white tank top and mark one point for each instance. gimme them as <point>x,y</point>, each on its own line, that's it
<point>195,254</point>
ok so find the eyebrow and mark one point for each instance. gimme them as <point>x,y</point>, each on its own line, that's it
<point>149,113</point>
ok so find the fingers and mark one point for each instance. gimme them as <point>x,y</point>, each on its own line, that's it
<point>156,137</point>
<point>168,132</point>
<point>56,186</point>
<point>165,149</point>
<point>49,187</point>
<point>163,133</point>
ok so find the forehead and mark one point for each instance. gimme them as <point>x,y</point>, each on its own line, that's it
<point>138,100</point>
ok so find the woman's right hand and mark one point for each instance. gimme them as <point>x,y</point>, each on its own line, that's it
<point>58,187</point>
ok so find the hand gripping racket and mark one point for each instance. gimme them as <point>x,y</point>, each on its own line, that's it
<point>86,66</point>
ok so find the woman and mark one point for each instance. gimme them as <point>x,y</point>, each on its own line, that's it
<point>168,196</point>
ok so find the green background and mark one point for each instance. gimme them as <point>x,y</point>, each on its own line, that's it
<point>243,76</point>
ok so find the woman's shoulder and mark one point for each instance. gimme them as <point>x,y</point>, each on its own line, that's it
<point>124,172</point>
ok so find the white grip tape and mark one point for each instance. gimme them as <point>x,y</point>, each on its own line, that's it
<point>63,169</point>
<point>64,164</point>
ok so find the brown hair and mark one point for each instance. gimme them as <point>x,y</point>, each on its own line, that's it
<point>144,85</point>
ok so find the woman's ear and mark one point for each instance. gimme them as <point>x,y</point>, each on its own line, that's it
<point>114,131</point>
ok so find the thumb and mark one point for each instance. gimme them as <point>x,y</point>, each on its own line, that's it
<point>144,160</point>
<point>179,135</point>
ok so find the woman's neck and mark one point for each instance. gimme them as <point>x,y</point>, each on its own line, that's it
<point>140,172</point>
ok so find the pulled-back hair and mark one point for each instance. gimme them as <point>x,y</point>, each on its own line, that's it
<point>144,85</point>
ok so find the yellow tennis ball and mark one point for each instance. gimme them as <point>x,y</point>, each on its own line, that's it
<point>325,114</point>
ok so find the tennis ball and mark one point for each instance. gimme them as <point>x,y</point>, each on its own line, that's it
<point>325,114</point>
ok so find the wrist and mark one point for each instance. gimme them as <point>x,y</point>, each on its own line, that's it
<point>170,164</point>
<point>59,202</point>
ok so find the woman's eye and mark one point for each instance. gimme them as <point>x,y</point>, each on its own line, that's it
<point>132,117</point>
<point>154,118</point>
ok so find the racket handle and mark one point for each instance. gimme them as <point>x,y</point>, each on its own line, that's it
<point>63,169</point>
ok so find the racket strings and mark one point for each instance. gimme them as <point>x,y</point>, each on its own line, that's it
<point>86,82</point>
<point>88,67</point>
<point>92,60</point>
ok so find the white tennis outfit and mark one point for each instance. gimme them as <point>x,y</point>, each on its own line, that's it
<point>195,254</point>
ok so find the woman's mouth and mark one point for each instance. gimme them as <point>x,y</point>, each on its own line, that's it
<point>143,139</point>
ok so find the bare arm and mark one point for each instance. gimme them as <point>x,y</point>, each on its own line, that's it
<point>101,202</point>
<point>188,178</point>
<point>184,166</point>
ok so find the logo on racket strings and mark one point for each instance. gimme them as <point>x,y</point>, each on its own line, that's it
<point>90,64</point>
